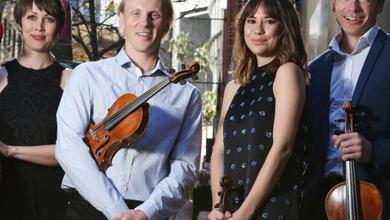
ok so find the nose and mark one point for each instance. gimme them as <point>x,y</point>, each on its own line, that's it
<point>258,29</point>
<point>39,25</point>
<point>355,5</point>
<point>145,20</point>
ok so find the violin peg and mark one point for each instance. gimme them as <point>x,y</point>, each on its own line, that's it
<point>339,120</point>
<point>195,77</point>
<point>337,132</point>
<point>183,82</point>
<point>182,66</point>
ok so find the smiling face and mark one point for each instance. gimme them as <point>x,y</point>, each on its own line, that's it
<point>356,17</point>
<point>38,30</point>
<point>261,34</point>
<point>144,26</point>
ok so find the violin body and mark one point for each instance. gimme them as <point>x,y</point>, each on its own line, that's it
<point>105,143</point>
<point>370,199</point>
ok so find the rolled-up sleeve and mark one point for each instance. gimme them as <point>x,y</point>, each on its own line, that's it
<point>73,118</point>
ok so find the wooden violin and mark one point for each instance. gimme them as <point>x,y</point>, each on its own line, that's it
<point>352,199</point>
<point>126,120</point>
<point>224,195</point>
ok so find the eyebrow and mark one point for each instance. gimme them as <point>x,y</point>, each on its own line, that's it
<point>252,16</point>
<point>36,13</point>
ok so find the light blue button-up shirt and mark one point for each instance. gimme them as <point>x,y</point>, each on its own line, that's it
<point>345,74</point>
<point>159,168</point>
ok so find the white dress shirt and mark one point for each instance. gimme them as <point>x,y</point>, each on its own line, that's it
<point>159,168</point>
<point>345,74</point>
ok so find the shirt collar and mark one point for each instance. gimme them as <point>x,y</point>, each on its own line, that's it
<point>125,61</point>
<point>365,41</point>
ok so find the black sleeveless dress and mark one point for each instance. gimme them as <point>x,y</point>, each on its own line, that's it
<point>248,128</point>
<point>28,108</point>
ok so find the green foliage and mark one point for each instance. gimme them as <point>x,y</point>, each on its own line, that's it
<point>180,45</point>
<point>208,107</point>
<point>111,9</point>
<point>202,56</point>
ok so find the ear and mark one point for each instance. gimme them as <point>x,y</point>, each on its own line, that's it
<point>19,27</point>
<point>332,5</point>
<point>121,21</point>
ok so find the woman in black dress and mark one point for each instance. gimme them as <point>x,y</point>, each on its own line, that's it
<point>30,91</point>
<point>258,143</point>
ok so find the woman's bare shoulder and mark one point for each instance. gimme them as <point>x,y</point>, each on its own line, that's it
<point>3,77</point>
<point>65,76</point>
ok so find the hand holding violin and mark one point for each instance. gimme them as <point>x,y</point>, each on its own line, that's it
<point>353,147</point>
<point>216,214</point>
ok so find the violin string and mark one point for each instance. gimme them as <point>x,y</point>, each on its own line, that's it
<point>135,103</point>
<point>131,105</point>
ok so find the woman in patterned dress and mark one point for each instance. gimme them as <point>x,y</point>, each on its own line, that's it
<point>30,91</point>
<point>259,143</point>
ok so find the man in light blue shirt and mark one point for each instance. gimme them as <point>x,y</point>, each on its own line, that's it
<point>149,178</point>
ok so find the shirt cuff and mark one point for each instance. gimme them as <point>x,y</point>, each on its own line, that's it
<point>115,209</point>
<point>149,207</point>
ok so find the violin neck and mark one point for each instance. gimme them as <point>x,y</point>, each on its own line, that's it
<point>351,183</point>
<point>352,191</point>
<point>110,122</point>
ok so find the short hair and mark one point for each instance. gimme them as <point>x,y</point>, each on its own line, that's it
<point>291,47</point>
<point>167,10</point>
<point>54,8</point>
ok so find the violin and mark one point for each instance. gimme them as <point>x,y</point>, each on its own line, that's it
<point>126,120</point>
<point>352,199</point>
<point>224,195</point>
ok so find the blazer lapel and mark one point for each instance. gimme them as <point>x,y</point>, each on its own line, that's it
<point>368,65</point>
<point>324,82</point>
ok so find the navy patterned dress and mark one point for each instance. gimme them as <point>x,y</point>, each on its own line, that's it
<point>248,128</point>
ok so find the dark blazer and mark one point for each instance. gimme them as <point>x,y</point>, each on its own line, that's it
<point>371,99</point>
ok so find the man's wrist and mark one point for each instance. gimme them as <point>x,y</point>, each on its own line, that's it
<point>115,210</point>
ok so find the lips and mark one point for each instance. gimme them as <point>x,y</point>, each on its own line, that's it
<point>144,34</point>
<point>38,37</point>
<point>353,19</point>
<point>258,41</point>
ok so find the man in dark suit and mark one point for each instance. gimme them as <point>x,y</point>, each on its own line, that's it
<point>355,68</point>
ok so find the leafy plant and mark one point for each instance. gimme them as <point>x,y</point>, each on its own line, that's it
<point>208,107</point>
<point>202,56</point>
<point>180,45</point>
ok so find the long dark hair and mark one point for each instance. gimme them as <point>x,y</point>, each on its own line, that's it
<point>291,47</point>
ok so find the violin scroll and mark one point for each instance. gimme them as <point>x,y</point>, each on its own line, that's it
<point>191,71</point>
<point>224,194</point>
